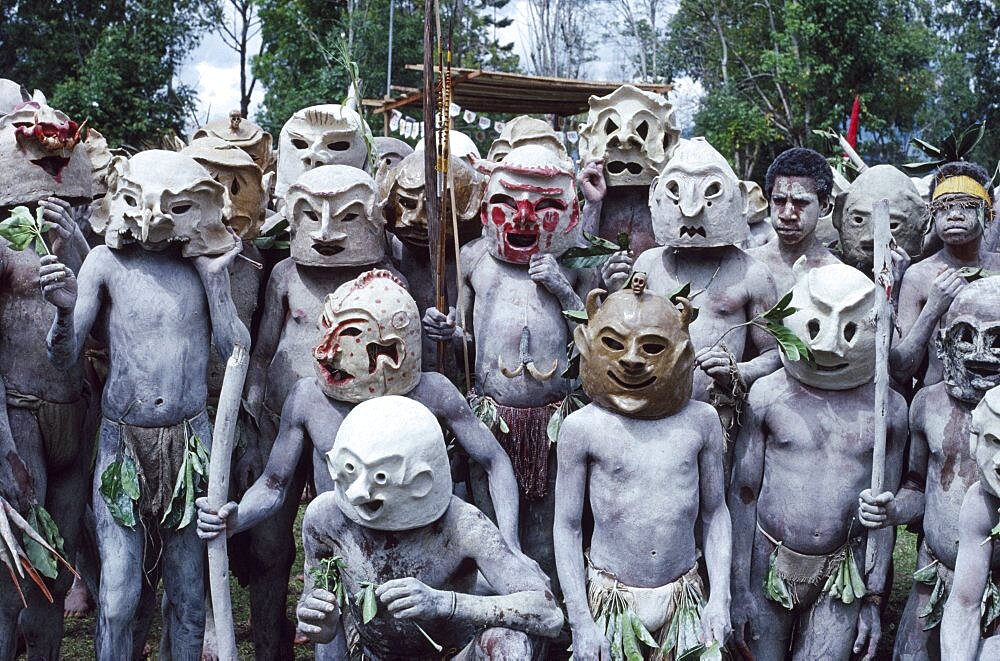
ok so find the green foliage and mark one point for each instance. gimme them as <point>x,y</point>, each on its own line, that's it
<point>846,583</point>
<point>120,490</point>
<point>328,575</point>
<point>192,482</point>
<point>21,229</point>
<point>955,147</point>
<point>42,558</point>
<point>594,255</point>
<point>366,600</point>
<point>570,404</point>
<point>486,410</point>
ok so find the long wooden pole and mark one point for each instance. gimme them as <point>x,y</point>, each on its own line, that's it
<point>883,334</point>
<point>223,439</point>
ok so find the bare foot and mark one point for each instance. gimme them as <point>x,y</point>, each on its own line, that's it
<point>78,602</point>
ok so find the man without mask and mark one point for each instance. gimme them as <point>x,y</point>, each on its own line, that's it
<point>941,467</point>
<point>515,293</point>
<point>336,236</point>
<point>392,493</point>
<point>961,211</point>
<point>697,205</point>
<point>636,361</point>
<point>164,207</point>
<point>401,198</point>
<point>799,185</point>
<point>628,138</point>
<point>803,454</point>
<point>967,633</point>
<point>44,448</point>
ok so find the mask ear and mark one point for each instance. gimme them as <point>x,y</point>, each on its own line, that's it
<point>582,340</point>
<point>652,190</point>
<point>840,200</point>
<point>422,483</point>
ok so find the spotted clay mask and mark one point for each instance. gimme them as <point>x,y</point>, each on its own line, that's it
<point>369,339</point>
<point>697,201</point>
<point>833,317</point>
<point>633,131</point>
<point>968,343</point>
<point>636,356</point>
<point>530,206</point>
<point>390,466</point>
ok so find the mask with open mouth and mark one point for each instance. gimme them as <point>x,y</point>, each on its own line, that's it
<point>530,206</point>
<point>984,440</point>
<point>633,131</point>
<point>968,343</point>
<point>236,171</point>
<point>833,317</point>
<point>160,197</point>
<point>636,356</point>
<point>334,220</point>
<point>370,339</point>
<point>320,135</point>
<point>43,155</point>
<point>697,201</point>
<point>390,465</point>
<point>401,198</point>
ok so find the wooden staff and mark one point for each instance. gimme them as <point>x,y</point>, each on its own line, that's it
<point>218,494</point>
<point>882,312</point>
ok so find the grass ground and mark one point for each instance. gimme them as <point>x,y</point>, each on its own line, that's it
<point>78,640</point>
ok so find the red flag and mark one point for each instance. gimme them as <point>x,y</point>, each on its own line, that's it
<point>852,128</point>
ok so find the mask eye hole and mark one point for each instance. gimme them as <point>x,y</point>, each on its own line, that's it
<point>407,203</point>
<point>180,209</point>
<point>549,203</point>
<point>351,331</point>
<point>642,129</point>
<point>713,190</point>
<point>673,190</point>
<point>381,478</point>
<point>993,341</point>
<point>849,330</point>
<point>349,467</point>
<point>311,215</point>
<point>130,200</point>
<point>340,145</point>
<point>965,334</point>
<point>299,143</point>
<point>349,217</point>
<point>506,200</point>
<point>612,343</point>
<point>610,126</point>
<point>653,348</point>
<point>234,188</point>
<point>813,328</point>
<point>858,221</point>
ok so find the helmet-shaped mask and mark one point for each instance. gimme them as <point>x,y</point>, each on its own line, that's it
<point>698,202</point>
<point>633,131</point>
<point>241,132</point>
<point>525,130</point>
<point>43,155</point>
<point>390,466</point>
<point>968,342</point>
<point>369,339</point>
<point>320,135</point>
<point>834,318</point>
<point>530,206</point>
<point>391,150</point>
<point>236,171</point>
<point>160,197</point>
<point>636,356</point>
<point>334,220</point>
<point>401,198</point>
<point>984,440</point>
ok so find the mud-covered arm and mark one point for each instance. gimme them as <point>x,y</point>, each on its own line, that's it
<point>763,296</point>
<point>717,531</point>
<point>227,328</point>
<point>317,612</point>
<point>895,448</point>
<point>920,308</point>
<point>571,485</point>
<point>908,505</point>
<point>16,485</point>
<point>268,335</point>
<point>78,301</point>
<point>483,448</point>
<point>748,476</point>
<point>960,635</point>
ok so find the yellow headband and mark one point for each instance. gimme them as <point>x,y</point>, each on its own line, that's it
<point>961,185</point>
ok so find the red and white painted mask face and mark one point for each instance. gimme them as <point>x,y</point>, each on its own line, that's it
<point>370,342</point>
<point>530,206</point>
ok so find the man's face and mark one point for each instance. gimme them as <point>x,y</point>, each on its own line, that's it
<point>956,221</point>
<point>795,208</point>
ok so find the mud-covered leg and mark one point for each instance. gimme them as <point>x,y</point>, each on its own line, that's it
<point>912,642</point>
<point>183,594</point>
<point>10,608</point>
<point>827,630</point>
<point>770,633</point>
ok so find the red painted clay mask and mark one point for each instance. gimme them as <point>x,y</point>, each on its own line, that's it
<point>530,206</point>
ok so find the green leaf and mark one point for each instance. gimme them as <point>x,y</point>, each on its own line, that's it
<point>927,575</point>
<point>576,315</point>
<point>920,169</point>
<point>970,138</point>
<point>21,229</point>
<point>781,309</point>
<point>857,582</point>
<point>117,489</point>
<point>926,147</point>
<point>630,646</point>
<point>369,606</point>
<point>788,342</point>
<point>639,629</point>
<point>40,557</point>
<point>594,255</point>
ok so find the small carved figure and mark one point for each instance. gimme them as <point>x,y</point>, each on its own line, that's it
<point>967,632</point>
<point>392,531</point>
<point>243,133</point>
<point>803,454</point>
<point>941,468</point>
<point>637,362</point>
<point>799,185</point>
<point>163,268</point>
<point>628,138</point>
<point>960,210</point>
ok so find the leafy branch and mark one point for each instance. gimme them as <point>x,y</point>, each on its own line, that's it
<point>771,322</point>
<point>596,254</point>
<point>955,147</point>
<point>21,229</point>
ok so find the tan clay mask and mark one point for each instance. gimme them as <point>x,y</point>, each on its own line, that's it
<point>698,202</point>
<point>984,440</point>
<point>236,171</point>
<point>334,220</point>
<point>968,343</point>
<point>834,306</point>
<point>390,465</point>
<point>243,133</point>
<point>636,356</point>
<point>370,339</point>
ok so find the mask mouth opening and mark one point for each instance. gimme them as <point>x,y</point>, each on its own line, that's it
<point>413,235</point>
<point>631,386</point>
<point>53,165</point>
<point>522,240</point>
<point>983,369</point>
<point>335,376</point>
<point>621,167</point>
<point>370,509</point>
<point>327,249</point>
<point>690,230</point>
<point>376,351</point>
<point>831,368</point>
